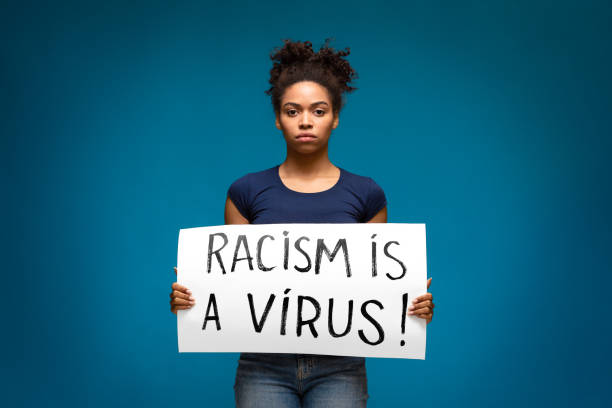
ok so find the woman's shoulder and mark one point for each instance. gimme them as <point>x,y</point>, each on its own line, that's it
<point>253,179</point>
<point>371,196</point>
<point>360,181</point>
<point>243,190</point>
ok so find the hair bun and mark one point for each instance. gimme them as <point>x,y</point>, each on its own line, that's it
<point>296,61</point>
<point>292,52</point>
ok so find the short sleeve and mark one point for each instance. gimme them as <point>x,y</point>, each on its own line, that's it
<point>375,200</point>
<point>239,193</point>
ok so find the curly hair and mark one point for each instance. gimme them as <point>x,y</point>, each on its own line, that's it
<point>296,61</point>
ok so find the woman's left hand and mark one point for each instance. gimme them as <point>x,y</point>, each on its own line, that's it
<point>422,306</point>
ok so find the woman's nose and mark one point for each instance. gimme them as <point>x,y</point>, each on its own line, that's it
<point>305,120</point>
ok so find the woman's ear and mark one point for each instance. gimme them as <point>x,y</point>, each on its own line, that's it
<point>336,119</point>
<point>277,122</point>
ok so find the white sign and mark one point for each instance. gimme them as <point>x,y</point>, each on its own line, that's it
<point>335,289</point>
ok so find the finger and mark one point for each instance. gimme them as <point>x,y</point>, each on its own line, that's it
<point>182,307</point>
<point>178,301</point>
<point>175,308</point>
<point>425,316</point>
<point>181,295</point>
<point>176,273</point>
<point>428,282</point>
<point>420,305</point>
<point>421,311</point>
<point>177,293</point>
<point>180,288</point>
<point>182,302</point>
<point>426,296</point>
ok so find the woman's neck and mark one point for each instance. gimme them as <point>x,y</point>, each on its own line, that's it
<point>313,165</point>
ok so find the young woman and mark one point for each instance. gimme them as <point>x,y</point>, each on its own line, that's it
<point>307,96</point>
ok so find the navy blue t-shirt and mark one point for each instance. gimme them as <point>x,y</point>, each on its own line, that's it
<point>262,198</point>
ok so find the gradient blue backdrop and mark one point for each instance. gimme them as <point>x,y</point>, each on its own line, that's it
<point>489,121</point>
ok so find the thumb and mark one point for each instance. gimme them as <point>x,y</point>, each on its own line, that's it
<point>428,282</point>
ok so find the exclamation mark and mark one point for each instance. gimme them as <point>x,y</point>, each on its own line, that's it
<point>404,306</point>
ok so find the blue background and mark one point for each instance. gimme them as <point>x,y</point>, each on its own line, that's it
<point>489,121</point>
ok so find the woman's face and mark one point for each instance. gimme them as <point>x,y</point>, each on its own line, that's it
<point>306,117</point>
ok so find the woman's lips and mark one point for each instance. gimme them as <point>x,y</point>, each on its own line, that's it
<point>306,137</point>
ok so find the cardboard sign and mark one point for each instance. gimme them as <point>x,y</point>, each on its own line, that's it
<point>335,289</point>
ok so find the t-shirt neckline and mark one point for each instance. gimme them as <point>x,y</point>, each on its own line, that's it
<point>284,187</point>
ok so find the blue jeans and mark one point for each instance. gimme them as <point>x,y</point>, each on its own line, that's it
<point>300,380</point>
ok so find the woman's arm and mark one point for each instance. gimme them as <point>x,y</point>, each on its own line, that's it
<point>381,216</point>
<point>232,215</point>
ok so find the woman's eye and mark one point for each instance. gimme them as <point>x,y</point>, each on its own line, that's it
<point>320,111</point>
<point>291,112</point>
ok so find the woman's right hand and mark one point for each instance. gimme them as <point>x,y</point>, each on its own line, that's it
<point>180,297</point>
